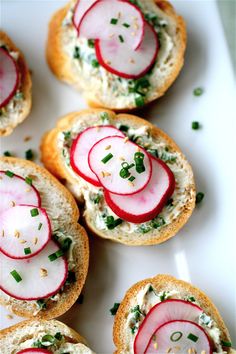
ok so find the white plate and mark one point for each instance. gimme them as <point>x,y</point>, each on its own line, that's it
<point>204,251</point>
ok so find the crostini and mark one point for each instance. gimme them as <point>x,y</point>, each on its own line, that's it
<point>136,185</point>
<point>42,337</point>
<point>15,93</point>
<point>120,54</point>
<point>44,250</point>
<point>166,315</point>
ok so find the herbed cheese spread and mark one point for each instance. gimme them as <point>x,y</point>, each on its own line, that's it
<point>94,199</point>
<point>147,297</point>
<point>91,77</point>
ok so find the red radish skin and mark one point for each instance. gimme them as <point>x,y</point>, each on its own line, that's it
<point>34,351</point>
<point>161,313</point>
<point>14,191</point>
<point>134,208</point>
<point>96,22</point>
<point>81,147</point>
<point>33,285</point>
<point>9,77</point>
<point>123,61</point>
<point>22,233</point>
<point>108,174</point>
<point>160,342</point>
<point>81,7</point>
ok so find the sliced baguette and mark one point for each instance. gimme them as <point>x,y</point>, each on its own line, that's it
<point>9,120</point>
<point>124,341</point>
<point>64,214</point>
<point>99,94</point>
<point>53,160</point>
<point>24,334</point>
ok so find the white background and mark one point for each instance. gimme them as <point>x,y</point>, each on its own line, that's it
<point>204,251</point>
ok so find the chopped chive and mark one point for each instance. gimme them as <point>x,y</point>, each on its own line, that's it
<point>91,43</point>
<point>121,38</point>
<point>195,125</point>
<point>139,101</point>
<point>95,63</point>
<point>47,340</point>
<point>126,25</point>
<point>199,197</point>
<point>29,155</point>
<point>198,91</point>
<point>112,223</point>
<point>27,250</point>
<point>132,178</point>
<point>138,158</point>
<point>192,337</point>
<point>226,344</point>
<point>65,244</point>
<point>58,336</point>
<point>113,21</point>
<point>34,212</point>
<point>40,226</point>
<point>175,336</point>
<point>114,309</point>
<point>52,257</point>
<point>7,153</point>
<point>28,180</point>
<point>107,158</point>
<point>124,128</point>
<point>16,276</point>
<point>9,173</point>
<point>76,54</point>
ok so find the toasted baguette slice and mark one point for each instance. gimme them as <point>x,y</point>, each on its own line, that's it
<point>26,333</point>
<point>55,156</point>
<point>17,109</point>
<point>100,87</point>
<point>122,335</point>
<point>64,214</point>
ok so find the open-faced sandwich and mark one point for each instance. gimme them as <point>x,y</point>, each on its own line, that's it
<point>137,186</point>
<point>42,337</point>
<point>43,250</point>
<point>163,315</point>
<point>15,86</point>
<point>121,54</point>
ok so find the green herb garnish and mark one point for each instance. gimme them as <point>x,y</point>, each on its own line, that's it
<point>52,257</point>
<point>124,172</point>
<point>97,199</point>
<point>139,101</point>
<point>138,158</point>
<point>7,153</point>
<point>153,152</point>
<point>192,337</point>
<point>126,25</point>
<point>58,336</point>
<point>67,135</point>
<point>191,299</point>
<point>169,202</point>
<point>9,174</point>
<point>65,244</point>
<point>95,63</point>
<point>124,128</point>
<point>91,43</point>
<point>199,197</point>
<point>198,91</point>
<point>121,38</point>
<point>29,155</point>
<point>113,21</point>
<point>111,223</point>
<point>157,222</point>
<point>195,125</point>
<point>71,278</point>
<point>16,275</point>
<point>28,180</point>
<point>132,178</point>
<point>19,96</point>
<point>163,296</point>
<point>48,340</point>
<point>27,250</point>
<point>107,158</point>
<point>34,212</point>
<point>226,344</point>
<point>114,309</point>
<point>76,54</point>
<point>175,337</point>
<point>41,304</point>
<point>40,226</point>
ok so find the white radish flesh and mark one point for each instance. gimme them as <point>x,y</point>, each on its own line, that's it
<point>21,234</point>
<point>116,19</point>
<point>9,77</point>
<point>14,190</point>
<point>163,312</point>
<point>185,335</point>
<point>34,351</point>
<point>145,205</point>
<point>37,277</point>
<point>81,147</point>
<point>114,157</point>
<point>81,7</point>
<point>122,60</point>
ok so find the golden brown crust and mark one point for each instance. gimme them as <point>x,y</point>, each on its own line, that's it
<point>59,62</point>
<point>25,85</point>
<point>163,282</point>
<point>51,158</point>
<point>72,292</point>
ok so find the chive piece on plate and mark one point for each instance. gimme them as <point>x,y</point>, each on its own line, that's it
<point>107,158</point>
<point>16,276</point>
<point>198,91</point>
<point>114,309</point>
<point>139,101</point>
<point>199,197</point>
<point>40,226</point>
<point>195,125</point>
<point>29,155</point>
<point>7,153</point>
<point>126,25</point>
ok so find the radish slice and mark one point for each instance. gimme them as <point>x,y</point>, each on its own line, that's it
<point>81,147</point>
<point>160,314</point>
<point>81,7</point>
<point>9,77</point>
<point>115,161</point>
<point>123,60</point>
<point>145,205</point>
<point>34,350</point>
<point>15,190</point>
<point>184,335</point>
<point>117,19</point>
<point>34,278</point>
<point>24,231</point>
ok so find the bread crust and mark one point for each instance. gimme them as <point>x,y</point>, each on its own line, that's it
<point>81,250</point>
<point>25,85</point>
<point>163,282</point>
<point>51,158</point>
<point>60,64</point>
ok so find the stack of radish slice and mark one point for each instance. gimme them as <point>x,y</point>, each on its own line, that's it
<point>136,185</point>
<point>33,264</point>
<point>126,45</point>
<point>9,77</point>
<point>169,325</point>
